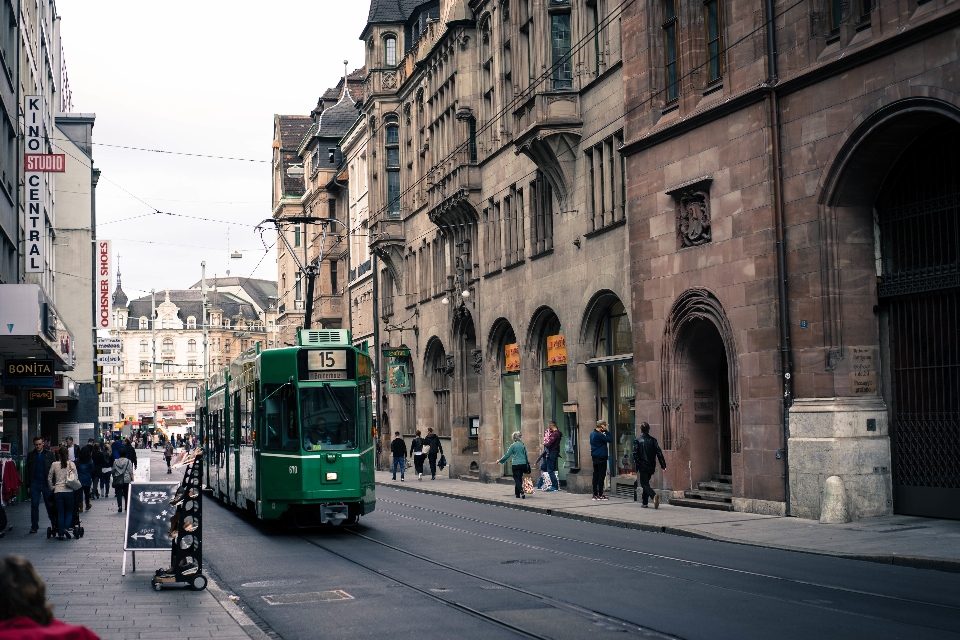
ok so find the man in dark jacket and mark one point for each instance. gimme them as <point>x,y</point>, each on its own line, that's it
<point>599,451</point>
<point>646,454</point>
<point>35,477</point>
<point>552,445</point>
<point>433,441</point>
<point>399,449</point>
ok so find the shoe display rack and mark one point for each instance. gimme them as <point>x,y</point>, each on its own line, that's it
<point>186,558</point>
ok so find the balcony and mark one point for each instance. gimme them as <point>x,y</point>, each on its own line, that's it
<point>452,186</point>
<point>328,307</point>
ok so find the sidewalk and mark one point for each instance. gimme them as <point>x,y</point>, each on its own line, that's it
<point>85,586</point>
<point>924,543</point>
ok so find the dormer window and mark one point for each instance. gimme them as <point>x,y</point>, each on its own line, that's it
<point>390,51</point>
<point>191,322</point>
<point>143,322</point>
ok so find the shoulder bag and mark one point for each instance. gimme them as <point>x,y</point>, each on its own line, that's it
<point>73,483</point>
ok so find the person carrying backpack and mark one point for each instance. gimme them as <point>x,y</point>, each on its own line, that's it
<point>167,455</point>
<point>646,453</point>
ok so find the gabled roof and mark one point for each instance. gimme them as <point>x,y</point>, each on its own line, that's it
<point>291,130</point>
<point>337,120</point>
<point>391,10</point>
<point>190,303</point>
<point>261,291</point>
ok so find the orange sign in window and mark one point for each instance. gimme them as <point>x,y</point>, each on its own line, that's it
<point>511,358</point>
<point>556,351</point>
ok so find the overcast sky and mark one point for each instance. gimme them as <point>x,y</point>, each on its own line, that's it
<point>198,77</point>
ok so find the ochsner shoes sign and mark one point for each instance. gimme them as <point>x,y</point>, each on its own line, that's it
<point>34,222</point>
<point>102,290</point>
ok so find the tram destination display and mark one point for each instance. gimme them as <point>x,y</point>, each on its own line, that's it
<point>148,516</point>
<point>327,364</point>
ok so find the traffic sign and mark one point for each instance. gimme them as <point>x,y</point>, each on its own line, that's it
<point>109,359</point>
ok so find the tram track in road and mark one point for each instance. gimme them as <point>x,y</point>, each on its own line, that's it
<point>617,624</point>
<point>656,556</point>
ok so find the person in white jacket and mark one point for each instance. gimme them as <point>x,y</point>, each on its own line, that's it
<point>60,472</point>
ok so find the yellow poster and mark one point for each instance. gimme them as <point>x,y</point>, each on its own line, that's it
<point>511,358</point>
<point>556,351</point>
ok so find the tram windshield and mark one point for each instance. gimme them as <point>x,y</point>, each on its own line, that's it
<point>328,418</point>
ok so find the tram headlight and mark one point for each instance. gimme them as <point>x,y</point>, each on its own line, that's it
<point>331,476</point>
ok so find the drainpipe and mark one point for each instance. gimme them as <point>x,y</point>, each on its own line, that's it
<point>786,365</point>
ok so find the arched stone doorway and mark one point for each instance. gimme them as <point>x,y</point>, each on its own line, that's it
<point>438,370</point>
<point>547,339</point>
<point>507,358</point>
<point>700,403</point>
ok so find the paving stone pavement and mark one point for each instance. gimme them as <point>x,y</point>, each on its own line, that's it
<point>926,543</point>
<point>85,586</point>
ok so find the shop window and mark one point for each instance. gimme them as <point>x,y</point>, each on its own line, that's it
<point>614,374</point>
<point>553,378</point>
<point>510,395</point>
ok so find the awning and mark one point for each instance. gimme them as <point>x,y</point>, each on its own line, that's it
<point>608,360</point>
<point>30,327</point>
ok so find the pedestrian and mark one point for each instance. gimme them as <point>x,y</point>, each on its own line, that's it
<point>520,462</point>
<point>39,462</point>
<point>103,463</point>
<point>131,452</point>
<point>115,447</point>
<point>60,473</point>
<point>399,449</point>
<point>73,451</point>
<point>88,447</point>
<point>552,444</point>
<point>85,468</point>
<point>599,439</point>
<point>436,448</point>
<point>24,612</point>
<point>122,477</point>
<point>646,454</point>
<point>418,455</point>
<point>167,455</point>
<point>96,456</point>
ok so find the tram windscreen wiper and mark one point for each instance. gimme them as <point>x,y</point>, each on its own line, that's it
<point>336,402</point>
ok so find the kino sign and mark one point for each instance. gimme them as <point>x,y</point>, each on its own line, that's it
<point>35,215</point>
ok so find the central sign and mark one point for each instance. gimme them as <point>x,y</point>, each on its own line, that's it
<point>327,364</point>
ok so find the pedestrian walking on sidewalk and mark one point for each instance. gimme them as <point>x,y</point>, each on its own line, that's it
<point>399,450</point>
<point>167,455</point>
<point>115,447</point>
<point>85,474</point>
<point>599,451</point>
<point>60,473</point>
<point>39,462</point>
<point>131,452</point>
<point>102,465</point>
<point>24,612</point>
<point>521,463</point>
<point>122,477</point>
<point>73,450</point>
<point>433,441</point>
<point>551,443</point>
<point>646,454</point>
<point>418,455</point>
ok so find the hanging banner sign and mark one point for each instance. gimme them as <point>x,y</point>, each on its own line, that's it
<point>399,352</point>
<point>101,290</point>
<point>397,379</point>
<point>34,221</point>
<point>109,359</point>
<point>110,343</point>
<point>556,351</point>
<point>511,358</point>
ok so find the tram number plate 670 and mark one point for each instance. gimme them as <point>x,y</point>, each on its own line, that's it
<point>292,469</point>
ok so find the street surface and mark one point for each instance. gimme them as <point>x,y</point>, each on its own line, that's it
<point>425,565</point>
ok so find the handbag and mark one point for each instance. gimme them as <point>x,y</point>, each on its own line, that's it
<point>526,468</point>
<point>527,485</point>
<point>442,462</point>
<point>426,450</point>
<point>73,483</point>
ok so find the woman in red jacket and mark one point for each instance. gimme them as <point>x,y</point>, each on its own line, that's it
<point>24,612</point>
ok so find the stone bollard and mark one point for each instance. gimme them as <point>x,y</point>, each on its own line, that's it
<point>834,508</point>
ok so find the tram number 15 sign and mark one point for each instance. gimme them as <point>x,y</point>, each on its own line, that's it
<point>327,365</point>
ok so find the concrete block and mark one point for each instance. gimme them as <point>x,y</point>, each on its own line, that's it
<point>834,509</point>
<point>761,507</point>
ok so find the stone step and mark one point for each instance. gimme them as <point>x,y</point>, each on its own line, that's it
<point>701,504</point>
<point>719,487</point>
<point>470,477</point>
<point>721,477</point>
<point>712,496</point>
<point>504,480</point>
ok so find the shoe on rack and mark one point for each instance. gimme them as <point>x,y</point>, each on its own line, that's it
<point>656,501</point>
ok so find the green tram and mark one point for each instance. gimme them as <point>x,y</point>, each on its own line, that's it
<point>288,433</point>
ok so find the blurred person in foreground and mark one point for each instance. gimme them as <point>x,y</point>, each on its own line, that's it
<point>24,612</point>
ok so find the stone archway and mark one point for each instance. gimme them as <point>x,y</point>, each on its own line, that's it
<point>700,404</point>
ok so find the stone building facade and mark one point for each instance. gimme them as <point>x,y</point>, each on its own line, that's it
<point>793,220</point>
<point>497,216</point>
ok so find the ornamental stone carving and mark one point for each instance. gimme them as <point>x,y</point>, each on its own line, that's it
<point>693,212</point>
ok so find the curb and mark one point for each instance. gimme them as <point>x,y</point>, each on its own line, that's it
<point>914,562</point>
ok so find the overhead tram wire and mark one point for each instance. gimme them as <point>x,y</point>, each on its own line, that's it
<point>173,153</point>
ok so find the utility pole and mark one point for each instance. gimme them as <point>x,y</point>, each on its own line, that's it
<point>153,357</point>
<point>203,319</point>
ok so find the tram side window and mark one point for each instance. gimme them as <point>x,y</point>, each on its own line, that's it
<point>281,426</point>
<point>363,414</point>
<point>246,420</point>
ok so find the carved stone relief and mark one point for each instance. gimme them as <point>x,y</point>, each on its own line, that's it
<point>693,212</point>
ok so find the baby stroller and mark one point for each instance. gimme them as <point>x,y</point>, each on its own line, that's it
<point>53,530</point>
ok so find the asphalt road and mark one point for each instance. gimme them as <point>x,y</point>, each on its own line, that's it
<point>429,566</point>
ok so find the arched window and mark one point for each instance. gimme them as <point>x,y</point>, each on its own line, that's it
<point>144,346</point>
<point>441,373</point>
<point>168,345</point>
<point>226,323</point>
<point>191,322</point>
<point>143,392</point>
<point>510,384</point>
<point>191,391</point>
<point>392,153</point>
<point>143,322</point>
<point>168,366</point>
<point>169,392</point>
<point>614,368</point>
<point>390,51</point>
<point>191,345</point>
